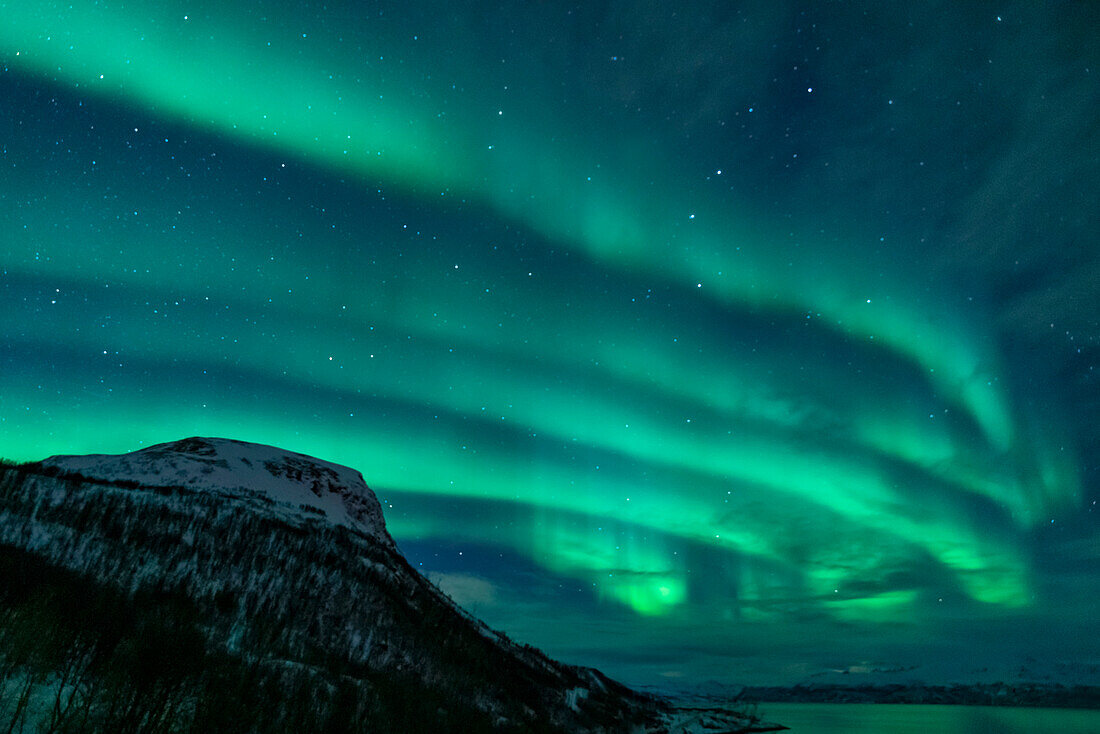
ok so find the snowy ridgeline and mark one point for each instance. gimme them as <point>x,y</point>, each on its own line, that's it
<point>299,484</point>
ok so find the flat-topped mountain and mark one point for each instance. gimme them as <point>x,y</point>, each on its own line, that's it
<point>215,585</point>
<point>298,485</point>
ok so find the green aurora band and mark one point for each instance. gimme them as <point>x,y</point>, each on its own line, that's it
<point>207,66</point>
<point>603,437</point>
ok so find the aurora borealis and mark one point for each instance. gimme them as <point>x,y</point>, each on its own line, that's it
<point>736,342</point>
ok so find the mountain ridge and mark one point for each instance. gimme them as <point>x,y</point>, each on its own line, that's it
<point>311,485</point>
<point>297,573</point>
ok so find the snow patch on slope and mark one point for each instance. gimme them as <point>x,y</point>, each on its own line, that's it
<point>304,486</point>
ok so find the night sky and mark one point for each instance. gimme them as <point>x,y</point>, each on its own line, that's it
<point>732,341</point>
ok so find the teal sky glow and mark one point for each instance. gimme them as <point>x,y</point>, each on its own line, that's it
<point>770,318</point>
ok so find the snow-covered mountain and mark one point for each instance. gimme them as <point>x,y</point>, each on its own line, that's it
<point>298,485</point>
<point>283,565</point>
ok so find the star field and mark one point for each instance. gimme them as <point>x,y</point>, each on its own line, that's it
<point>751,340</point>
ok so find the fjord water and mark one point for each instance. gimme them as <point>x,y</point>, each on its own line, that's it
<point>871,718</point>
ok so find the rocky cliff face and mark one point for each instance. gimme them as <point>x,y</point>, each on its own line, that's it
<point>286,564</point>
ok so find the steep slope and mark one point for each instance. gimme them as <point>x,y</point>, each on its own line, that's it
<point>288,568</point>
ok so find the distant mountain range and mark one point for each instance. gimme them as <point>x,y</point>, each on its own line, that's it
<point>1022,694</point>
<point>1039,695</point>
<point>215,585</point>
